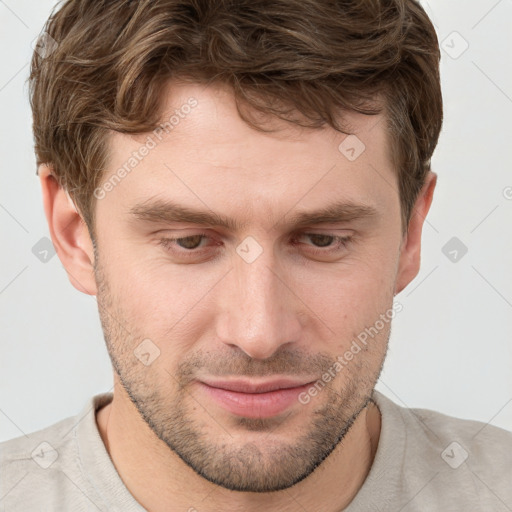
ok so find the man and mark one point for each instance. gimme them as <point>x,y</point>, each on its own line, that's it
<point>243,185</point>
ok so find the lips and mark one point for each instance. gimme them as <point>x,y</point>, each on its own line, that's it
<point>244,386</point>
<point>255,399</point>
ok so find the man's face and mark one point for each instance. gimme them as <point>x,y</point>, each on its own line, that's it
<point>260,300</point>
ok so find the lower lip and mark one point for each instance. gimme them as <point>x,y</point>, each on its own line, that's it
<point>255,405</point>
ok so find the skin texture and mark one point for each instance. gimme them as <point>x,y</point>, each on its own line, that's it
<point>291,312</point>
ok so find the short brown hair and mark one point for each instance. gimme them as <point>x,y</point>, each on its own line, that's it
<point>111,60</point>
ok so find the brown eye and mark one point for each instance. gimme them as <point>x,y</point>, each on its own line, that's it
<point>185,245</point>
<point>320,240</point>
<point>189,242</point>
<point>322,243</point>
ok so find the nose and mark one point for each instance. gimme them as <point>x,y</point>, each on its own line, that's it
<point>259,310</point>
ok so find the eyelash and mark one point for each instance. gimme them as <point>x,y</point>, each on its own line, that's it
<point>342,242</point>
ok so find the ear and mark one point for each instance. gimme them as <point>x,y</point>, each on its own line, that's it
<point>410,251</point>
<point>69,233</point>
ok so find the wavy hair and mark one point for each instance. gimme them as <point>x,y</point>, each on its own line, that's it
<point>111,60</point>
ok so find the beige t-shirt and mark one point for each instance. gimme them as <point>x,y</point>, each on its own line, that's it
<point>425,461</point>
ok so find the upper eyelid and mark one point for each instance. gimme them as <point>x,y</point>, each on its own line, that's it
<point>337,237</point>
<point>294,234</point>
<point>300,231</point>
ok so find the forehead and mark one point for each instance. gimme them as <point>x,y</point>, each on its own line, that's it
<point>204,116</point>
<point>205,154</point>
<point>215,120</point>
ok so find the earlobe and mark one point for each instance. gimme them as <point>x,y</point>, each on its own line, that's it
<point>410,252</point>
<point>69,233</point>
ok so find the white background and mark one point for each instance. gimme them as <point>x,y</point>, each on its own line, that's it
<point>450,347</point>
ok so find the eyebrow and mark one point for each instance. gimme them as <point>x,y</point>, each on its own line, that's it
<point>166,211</point>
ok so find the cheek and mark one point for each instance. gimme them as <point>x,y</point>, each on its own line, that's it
<point>165,302</point>
<point>351,298</point>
